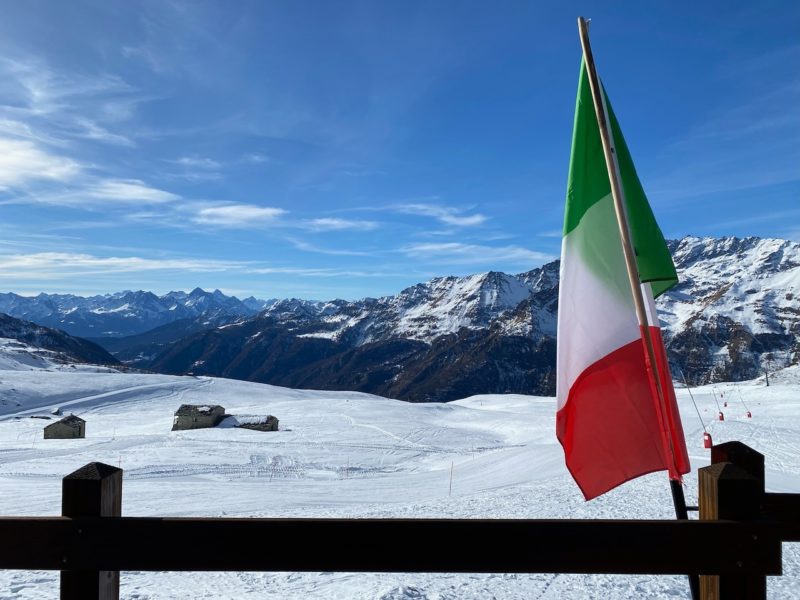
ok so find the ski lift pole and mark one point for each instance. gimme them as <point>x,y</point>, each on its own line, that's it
<point>741,399</point>
<point>707,441</point>
<point>721,415</point>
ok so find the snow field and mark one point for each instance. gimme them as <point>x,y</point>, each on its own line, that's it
<point>347,454</point>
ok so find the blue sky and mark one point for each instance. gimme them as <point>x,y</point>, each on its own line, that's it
<point>324,149</point>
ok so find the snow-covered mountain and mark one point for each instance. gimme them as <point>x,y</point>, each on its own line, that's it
<point>123,313</point>
<point>735,310</point>
<point>427,311</point>
<point>27,345</point>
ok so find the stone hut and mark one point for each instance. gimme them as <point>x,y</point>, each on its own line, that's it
<point>67,428</point>
<point>267,423</point>
<point>191,416</point>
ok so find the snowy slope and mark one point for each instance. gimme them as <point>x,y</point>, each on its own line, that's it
<point>16,355</point>
<point>58,345</point>
<point>346,454</point>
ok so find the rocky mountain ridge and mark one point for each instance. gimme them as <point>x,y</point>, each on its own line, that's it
<point>734,313</point>
<point>125,313</point>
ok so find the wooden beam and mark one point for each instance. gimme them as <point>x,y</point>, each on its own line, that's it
<point>784,508</point>
<point>391,545</point>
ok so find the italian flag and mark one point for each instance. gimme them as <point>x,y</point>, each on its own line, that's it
<point>611,422</point>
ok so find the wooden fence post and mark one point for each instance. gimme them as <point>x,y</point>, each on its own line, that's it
<point>94,490</point>
<point>732,492</point>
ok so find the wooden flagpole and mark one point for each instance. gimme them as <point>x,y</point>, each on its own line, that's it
<point>618,194</point>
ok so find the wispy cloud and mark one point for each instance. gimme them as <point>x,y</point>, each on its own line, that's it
<point>788,216</point>
<point>197,162</point>
<point>747,138</point>
<point>85,192</point>
<point>474,254</point>
<point>61,265</point>
<point>18,129</point>
<point>195,168</point>
<point>336,224</point>
<point>38,102</point>
<point>323,272</point>
<point>237,215</point>
<point>445,214</point>
<point>255,158</point>
<point>22,161</point>
<point>309,247</point>
<point>552,233</point>
<point>92,131</point>
<point>129,190</point>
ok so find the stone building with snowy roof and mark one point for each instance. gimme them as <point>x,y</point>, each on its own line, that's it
<point>70,427</point>
<point>191,416</point>
<point>255,422</point>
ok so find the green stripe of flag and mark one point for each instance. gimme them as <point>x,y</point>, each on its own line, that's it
<point>588,183</point>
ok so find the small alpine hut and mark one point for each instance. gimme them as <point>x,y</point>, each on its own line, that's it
<point>69,427</point>
<point>265,423</point>
<point>191,416</point>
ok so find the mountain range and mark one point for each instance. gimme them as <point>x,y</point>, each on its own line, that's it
<point>734,313</point>
<point>124,313</point>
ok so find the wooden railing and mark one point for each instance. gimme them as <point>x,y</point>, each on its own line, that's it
<point>733,547</point>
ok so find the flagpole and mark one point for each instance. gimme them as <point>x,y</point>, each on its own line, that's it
<point>618,194</point>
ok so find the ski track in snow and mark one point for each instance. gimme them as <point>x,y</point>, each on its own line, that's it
<point>343,454</point>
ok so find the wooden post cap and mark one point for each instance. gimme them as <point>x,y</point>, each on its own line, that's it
<point>741,455</point>
<point>94,490</point>
<point>94,471</point>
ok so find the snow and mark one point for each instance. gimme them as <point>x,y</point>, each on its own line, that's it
<point>323,335</point>
<point>765,276</point>
<point>239,420</point>
<point>347,454</point>
<point>19,356</point>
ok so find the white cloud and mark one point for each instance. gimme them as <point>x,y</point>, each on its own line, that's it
<point>197,162</point>
<point>336,224</point>
<point>22,161</point>
<point>63,265</point>
<point>92,131</point>
<point>18,129</point>
<point>255,158</point>
<point>308,247</point>
<point>237,215</point>
<point>322,272</point>
<point>466,254</point>
<point>446,214</point>
<point>35,98</point>
<point>552,233</point>
<point>128,190</point>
